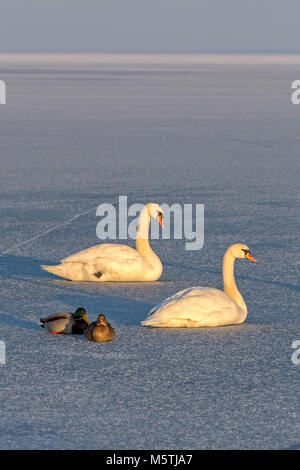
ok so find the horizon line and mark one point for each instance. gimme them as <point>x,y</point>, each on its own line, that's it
<point>250,58</point>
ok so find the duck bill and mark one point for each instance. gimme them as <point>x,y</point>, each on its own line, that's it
<point>160,221</point>
<point>85,318</point>
<point>250,258</point>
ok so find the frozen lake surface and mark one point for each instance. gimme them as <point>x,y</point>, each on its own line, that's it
<point>75,135</point>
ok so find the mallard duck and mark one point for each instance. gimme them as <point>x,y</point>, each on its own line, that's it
<point>66,323</point>
<point>99,331</point>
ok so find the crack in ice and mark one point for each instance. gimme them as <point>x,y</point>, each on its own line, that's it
<point>36,237</point>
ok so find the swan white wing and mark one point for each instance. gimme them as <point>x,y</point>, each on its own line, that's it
<point>117,268</point>
<point>112,251</point>
<point>108,262</point>
<point>195,306</point>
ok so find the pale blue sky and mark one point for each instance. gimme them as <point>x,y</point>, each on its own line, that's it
<point>149,25</point>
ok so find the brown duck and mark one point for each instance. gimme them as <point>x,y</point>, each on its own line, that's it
<point>100,331</point>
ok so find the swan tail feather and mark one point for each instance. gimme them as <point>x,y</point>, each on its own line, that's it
<point>70,271</point>
<point>148,323</point>
<point>57,270</point>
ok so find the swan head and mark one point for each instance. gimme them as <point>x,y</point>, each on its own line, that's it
<point>156,212</point>
<point>238,250</point>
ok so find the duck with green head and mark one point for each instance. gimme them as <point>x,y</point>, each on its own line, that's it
<point>100,331</point>
<point>66,323</point>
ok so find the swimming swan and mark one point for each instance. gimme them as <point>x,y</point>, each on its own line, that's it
<point>114,262</point>
<point>204,306</point>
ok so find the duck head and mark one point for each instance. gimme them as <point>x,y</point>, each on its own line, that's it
<point>80,314</point>
<point>101,320</point>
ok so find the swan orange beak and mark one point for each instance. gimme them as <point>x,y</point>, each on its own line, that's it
<point>250,257</point>
<point>160,221</point>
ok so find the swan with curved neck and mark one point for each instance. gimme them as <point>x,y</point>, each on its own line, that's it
<point>114,262</point>
<point>205,306</point>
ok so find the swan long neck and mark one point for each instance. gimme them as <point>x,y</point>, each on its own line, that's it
<point>142,242</point>
<point>230,287</point>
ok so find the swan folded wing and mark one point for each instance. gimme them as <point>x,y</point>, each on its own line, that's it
<point>173,298</point>
<point>117,264</point>
<point>106,250</point>
<point>196,305</point>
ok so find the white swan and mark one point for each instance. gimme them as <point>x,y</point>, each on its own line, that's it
<point>114,262</point>
<point>204,306</point>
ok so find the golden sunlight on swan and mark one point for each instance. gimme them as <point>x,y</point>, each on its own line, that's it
<point>114,262</point>
<point>205,306</point>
